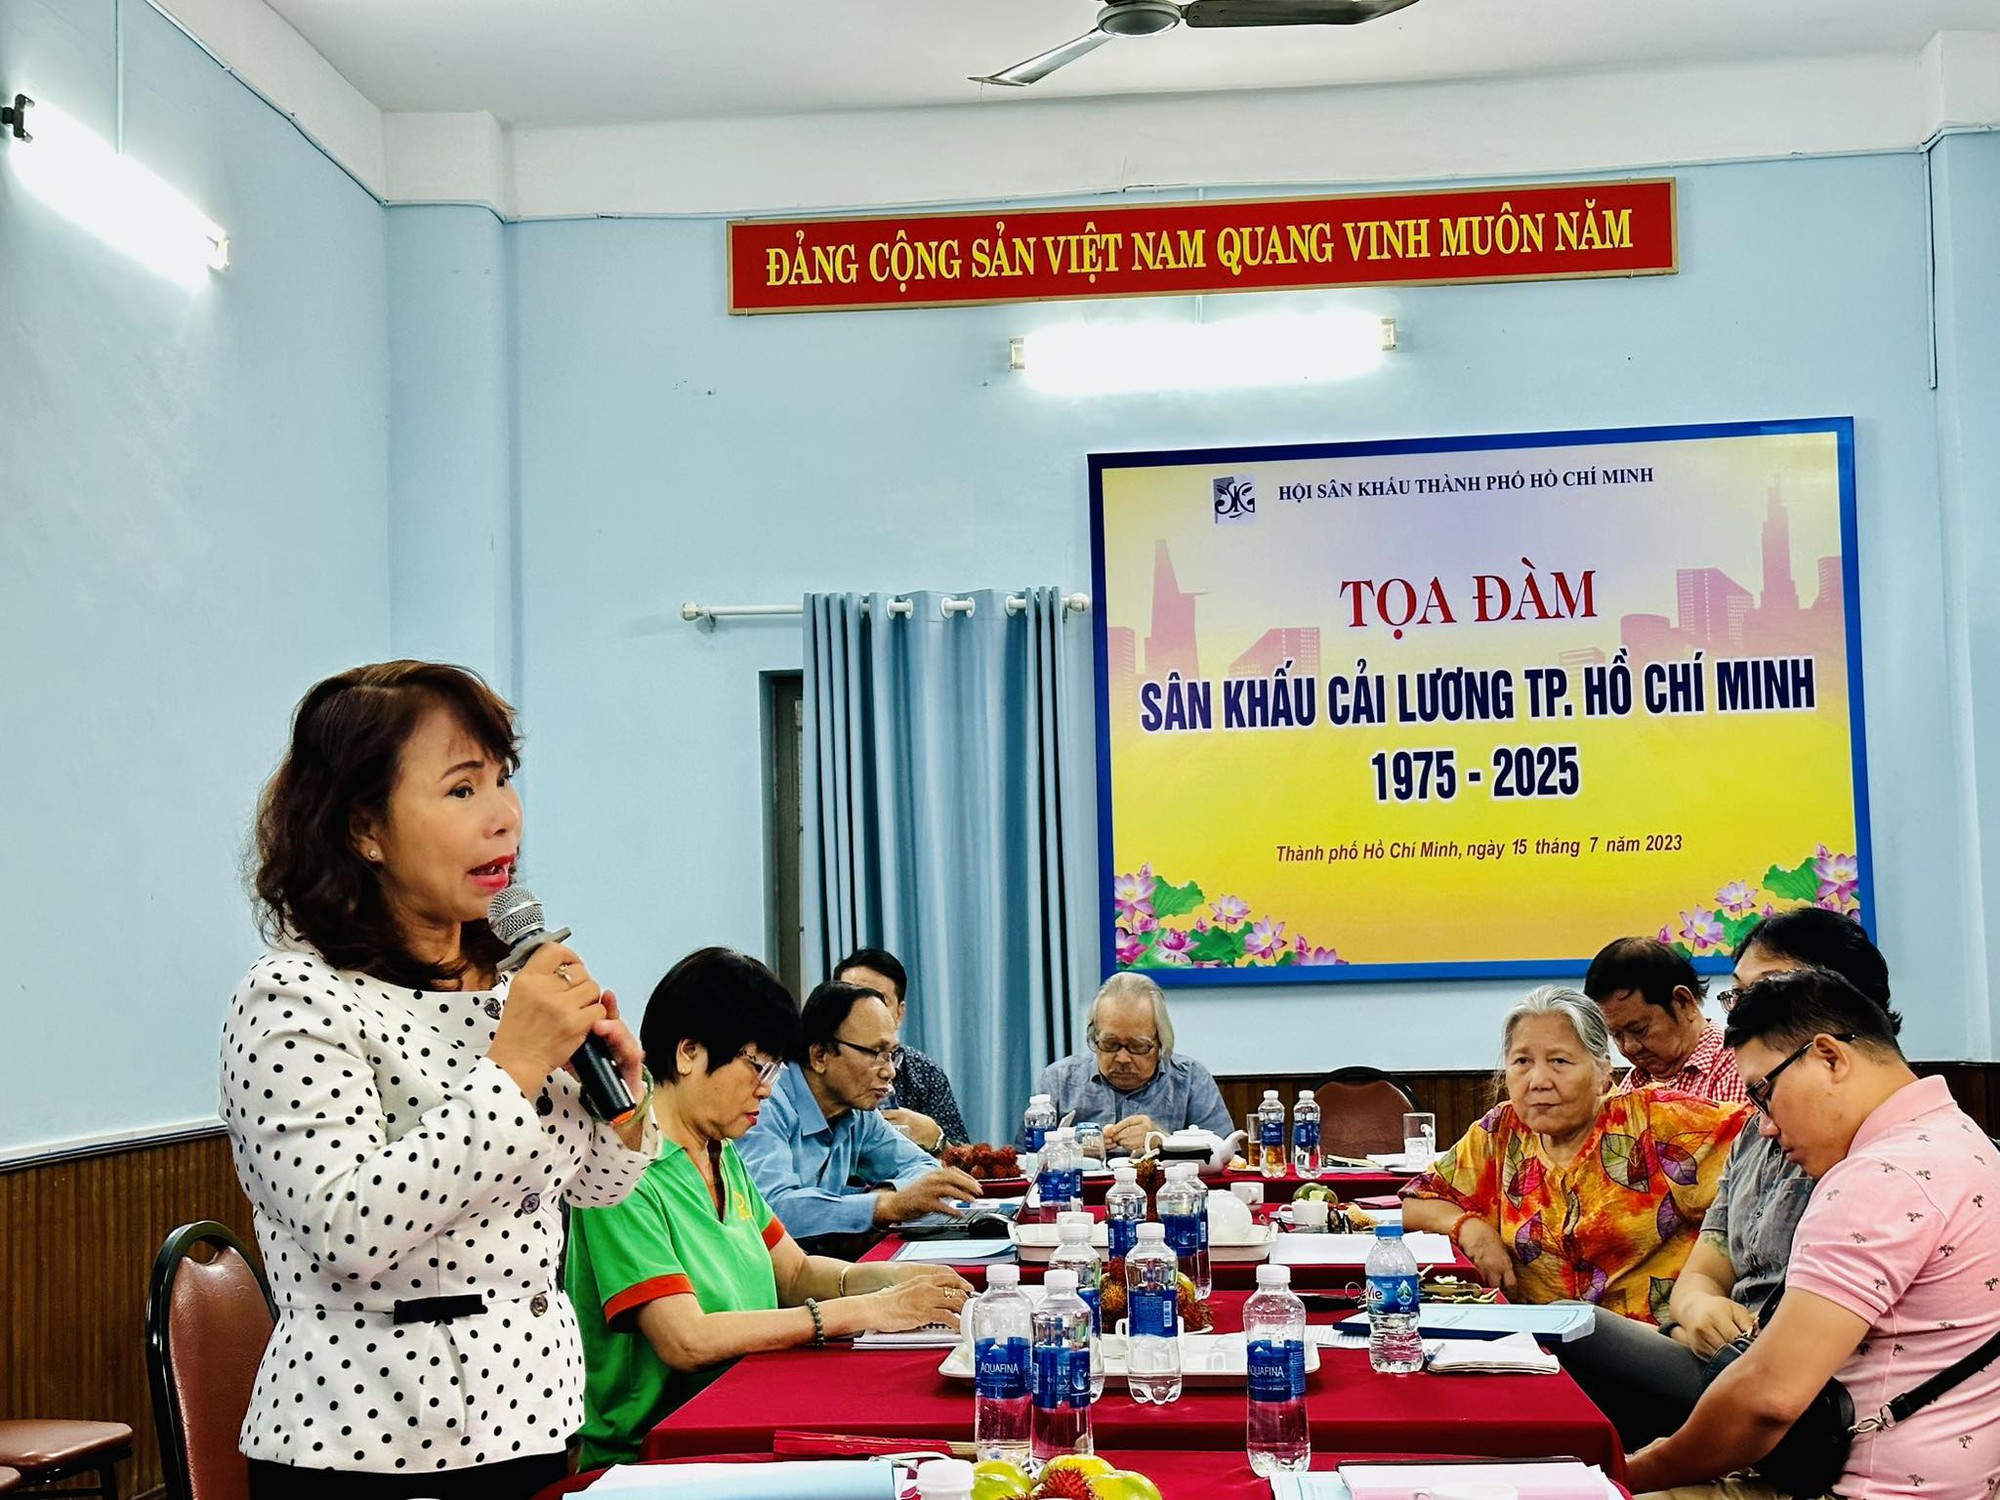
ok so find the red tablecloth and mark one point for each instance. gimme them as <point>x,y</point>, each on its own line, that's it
<point>899,1393</point>
<point>1181,1474</point>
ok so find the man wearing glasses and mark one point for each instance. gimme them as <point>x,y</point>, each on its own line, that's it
<point>821,1154</point>
<point>1895,1269</point>
<point>1646,1379</point>
<point>1131,1075</point>
<point>920,1103</point>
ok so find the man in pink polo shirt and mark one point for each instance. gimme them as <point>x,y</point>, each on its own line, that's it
<point>1895,1270</point>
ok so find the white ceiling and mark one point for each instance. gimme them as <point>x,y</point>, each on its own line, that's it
<point>539,63</point>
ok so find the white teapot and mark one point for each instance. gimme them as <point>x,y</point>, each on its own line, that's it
<point>1195,1144</point>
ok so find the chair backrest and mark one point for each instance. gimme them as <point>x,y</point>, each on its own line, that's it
<point>207,1323</point>
<point>1361,1110</point>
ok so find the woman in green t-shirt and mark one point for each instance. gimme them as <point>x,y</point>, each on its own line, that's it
<point>693,1270</point>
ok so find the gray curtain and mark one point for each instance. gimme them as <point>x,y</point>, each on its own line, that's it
<point>934,806</point>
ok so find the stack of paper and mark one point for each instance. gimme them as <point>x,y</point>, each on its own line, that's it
<point>813,1479</point>
<point>1516,1354</point>
<point>1546,1479</point>
<point>1352,1249</point>
<point>1353,1338</point>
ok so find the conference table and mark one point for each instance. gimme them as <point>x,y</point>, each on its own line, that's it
<point>899,1393</point>
<point>1181,1473</point>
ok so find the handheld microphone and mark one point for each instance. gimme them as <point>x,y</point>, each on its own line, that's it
<point>516,919</point>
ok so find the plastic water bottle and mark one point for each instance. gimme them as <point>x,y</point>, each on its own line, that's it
<point>1306,1158</point>
<point>1271,1135</point>
<point>1058,1176</point>
<point>1395,1344</point>
<point>1001,1322</point>
<point>1038,1121</point>
<point>1124,1212</point>
<point>1073,1171</point>
<point>1074,1253</point>
<point>1059,1421</point>
<point>1184,1212</point>
<point>1274,1332</point>
<point>1153,1311</point>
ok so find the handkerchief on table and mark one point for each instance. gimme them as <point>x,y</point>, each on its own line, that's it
<point>1516,1354</point>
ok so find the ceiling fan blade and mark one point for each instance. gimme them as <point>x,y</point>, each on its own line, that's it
<point>1036,68</point>
<point>1219,13</point>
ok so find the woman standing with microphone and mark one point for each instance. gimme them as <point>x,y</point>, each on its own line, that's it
<point>400,1112</point>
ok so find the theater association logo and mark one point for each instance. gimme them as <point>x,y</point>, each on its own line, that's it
<point>1235,500</point>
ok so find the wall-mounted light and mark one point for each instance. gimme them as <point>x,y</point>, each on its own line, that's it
<point>1268,349</point>
<point>79,174</point>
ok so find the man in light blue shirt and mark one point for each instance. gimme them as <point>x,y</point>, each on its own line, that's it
<point>1130,1080</point>
<point>821,1153</point>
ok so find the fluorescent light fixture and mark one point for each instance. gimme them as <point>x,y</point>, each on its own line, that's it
<point>77,173</point>
<point>1270,349</point>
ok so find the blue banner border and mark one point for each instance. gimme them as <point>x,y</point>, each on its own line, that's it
<point>1841,427</point>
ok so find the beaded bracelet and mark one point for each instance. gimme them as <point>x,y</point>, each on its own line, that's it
<point>819,1323</point>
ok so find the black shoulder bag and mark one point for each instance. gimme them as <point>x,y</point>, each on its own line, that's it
<point>1813,1452</point>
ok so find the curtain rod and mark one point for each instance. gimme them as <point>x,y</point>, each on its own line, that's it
<point>899,608</point>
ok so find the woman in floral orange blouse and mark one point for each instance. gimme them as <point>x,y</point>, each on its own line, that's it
<point>1565,1193</point>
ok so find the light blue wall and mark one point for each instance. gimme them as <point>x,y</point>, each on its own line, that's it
<point>201,520</point>
<point>668,452</point>
<point>451,447</point>
<point>194,526</point>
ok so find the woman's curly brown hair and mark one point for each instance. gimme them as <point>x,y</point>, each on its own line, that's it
<point>348,735</point>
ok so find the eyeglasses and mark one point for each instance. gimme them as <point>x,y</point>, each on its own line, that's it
<point>1648,1025</point>
<point>882,1059</point>
<point>765,1068</point>
<point>1727,999</point>
<point>1760,1091</point>
<point>1112,1045</point>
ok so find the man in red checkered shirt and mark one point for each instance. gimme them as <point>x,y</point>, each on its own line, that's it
<point>1651,998</point>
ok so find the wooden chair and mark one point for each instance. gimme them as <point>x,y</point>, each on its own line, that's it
<point>207,1323</point>
<point>42,1452</point>
<point>1361,1110</point>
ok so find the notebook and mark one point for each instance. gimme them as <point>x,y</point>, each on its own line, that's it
<point>954,1252</point>
<point>1561,1321</point>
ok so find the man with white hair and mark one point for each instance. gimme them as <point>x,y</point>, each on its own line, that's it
<point>1129,1079</point>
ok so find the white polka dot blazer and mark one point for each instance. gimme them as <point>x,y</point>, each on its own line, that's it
<point>389,1162</point>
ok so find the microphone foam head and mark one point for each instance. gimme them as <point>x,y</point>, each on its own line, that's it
<point>515,914</point>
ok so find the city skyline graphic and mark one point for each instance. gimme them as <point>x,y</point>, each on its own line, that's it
<point>1713,613</point>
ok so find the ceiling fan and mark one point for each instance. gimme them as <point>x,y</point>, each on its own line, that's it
<point>1120,18</point>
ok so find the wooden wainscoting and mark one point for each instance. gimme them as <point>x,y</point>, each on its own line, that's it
<point>1459,1098</point>
<point>78,1234</point>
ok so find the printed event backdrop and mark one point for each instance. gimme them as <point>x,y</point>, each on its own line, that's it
<point>1475,706</point>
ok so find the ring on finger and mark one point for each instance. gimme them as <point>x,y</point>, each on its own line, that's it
<point>562,972</point>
